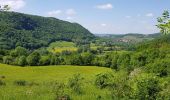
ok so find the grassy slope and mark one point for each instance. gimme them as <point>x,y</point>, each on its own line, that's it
<point>60,46</point>
<point>45,77</point>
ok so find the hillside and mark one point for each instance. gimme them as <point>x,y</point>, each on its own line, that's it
<point>31,32</point>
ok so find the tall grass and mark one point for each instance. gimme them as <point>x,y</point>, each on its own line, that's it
<point>50,83</point>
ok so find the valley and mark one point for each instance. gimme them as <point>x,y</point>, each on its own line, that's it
<point>50,56</point>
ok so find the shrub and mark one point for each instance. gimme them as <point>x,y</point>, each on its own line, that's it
<point>103,80</point>
<point>75,83</point>
<point>148,89</point>
<point>7,60</point>
<point>20,83</point>
<point>2,83</point>
<point>22,61</point>
<point>33,84</point>
<point>33,59</point>
<point>58,89</point>
<point>160,67</point>
<point>45,60</point>
<point>2,77</point>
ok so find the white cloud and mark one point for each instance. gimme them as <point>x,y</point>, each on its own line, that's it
<point>71,12</point>
<point>149,15</point>
<point>103,25</point>
<point>128,16</point>
<point>69,18</point>
<point>14,4</point>
<point>105,6</point>
<point>54,13</point>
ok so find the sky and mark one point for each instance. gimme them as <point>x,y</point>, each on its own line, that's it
<point>99,16</point>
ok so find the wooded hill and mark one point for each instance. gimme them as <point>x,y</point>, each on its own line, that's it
<point>32,32</point>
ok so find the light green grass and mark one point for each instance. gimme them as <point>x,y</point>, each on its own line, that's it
<point>60,46</point>
<point>45,76</point>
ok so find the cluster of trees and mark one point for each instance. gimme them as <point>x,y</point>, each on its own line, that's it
<point>152,56</point>
<point>22,57</point>
<point>122,88</point>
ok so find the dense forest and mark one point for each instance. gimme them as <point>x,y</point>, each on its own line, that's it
<point>32,32</point>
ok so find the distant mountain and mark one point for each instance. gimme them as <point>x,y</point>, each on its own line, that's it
<point>154,35</point>
<point>130,37</point>
<point>29,31</point>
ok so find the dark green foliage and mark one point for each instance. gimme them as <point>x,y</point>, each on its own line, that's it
<point>2,83</point>
<point>75,83</point>
<point>55,60</point>
<point>148,89</point>
<point>44,60</point>
<point>103,80</point>
<point>160,68</point>
<point>87,58</point>
<point>33,59</point>
<point>121,90</point>
<point>76,59</point>
<point>19,51</point>
<point>7,60</point>
<point>32,32</point>
<point>20,83</point>
<point>22,61</point>
<point>58,89</point>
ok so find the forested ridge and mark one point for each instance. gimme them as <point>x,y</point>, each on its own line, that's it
<point>32,32</point>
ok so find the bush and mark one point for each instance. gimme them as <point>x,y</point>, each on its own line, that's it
<point>7,60</point>
<point>20,83</point>
<point>33,59</point>
<point>22,61</point>
<point>58,89</point>
<point>45,60</point>
<point>33,84</point>
<point>2,77</point>
<point>148,89</point>
<point>2,83</point>
<point>75,83</point>
<point>103,80</point>
<point>161,67</point>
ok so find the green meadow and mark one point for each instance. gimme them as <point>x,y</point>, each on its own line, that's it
<point>40,83</point>
<point>59,46</point>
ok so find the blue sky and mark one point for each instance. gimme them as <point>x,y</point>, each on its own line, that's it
<point>99,16</point>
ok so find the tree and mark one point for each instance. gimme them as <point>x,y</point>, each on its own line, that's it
<point>164,23</point>
<point>45,60</point>
<point>22,61</point>
<point>19,51</point>
<point>76,59</point>
<point>56,60</point>
<point>148,89</point>
<point>87,58</point>
<point>33,59</point>
<point>7,59</point>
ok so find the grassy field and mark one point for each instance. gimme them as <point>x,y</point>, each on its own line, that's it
<point>60,46</point>
<point>41,82</point>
